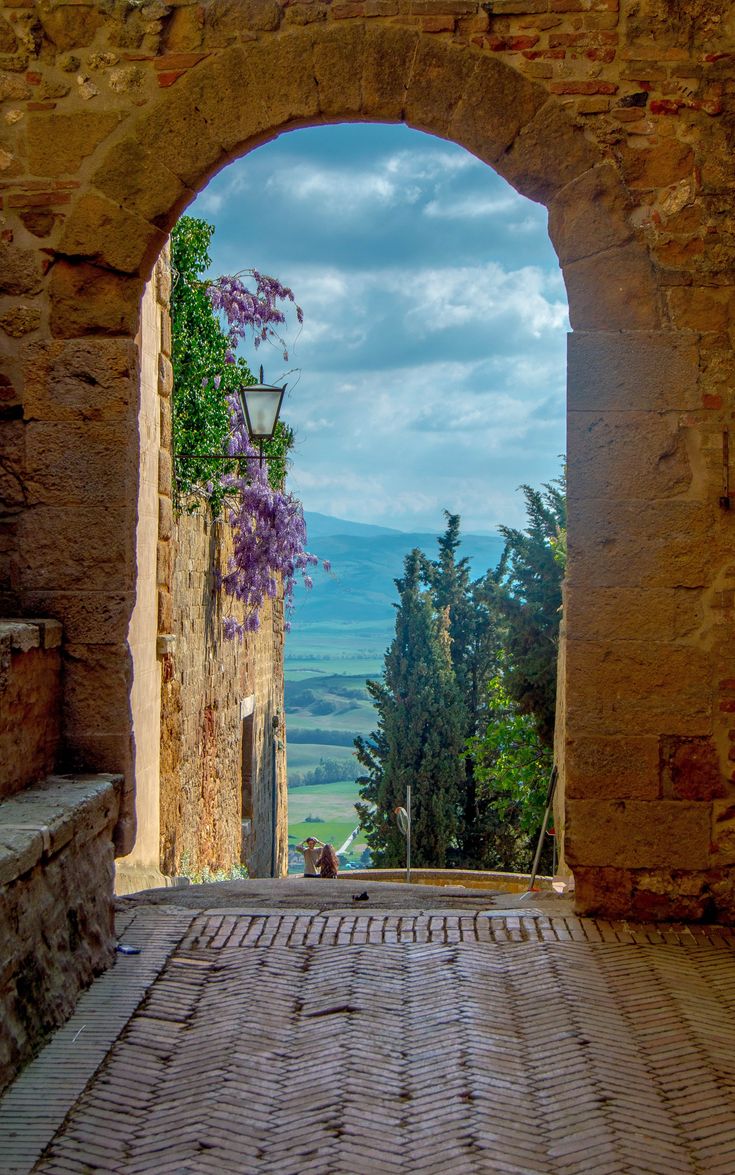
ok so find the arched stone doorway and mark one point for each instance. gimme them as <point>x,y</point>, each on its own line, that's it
<point>643,743</point>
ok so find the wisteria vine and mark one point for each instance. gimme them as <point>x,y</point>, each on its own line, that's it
<point>210,319</point>
<point>269,534</point>
<point>248,313</point>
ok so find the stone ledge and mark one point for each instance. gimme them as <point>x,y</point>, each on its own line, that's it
<point>22,635</point>
<point>38,822</point>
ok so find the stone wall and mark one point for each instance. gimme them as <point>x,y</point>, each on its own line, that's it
<point>56,922</point>
<point>619,116</point>
<point>223,771</point>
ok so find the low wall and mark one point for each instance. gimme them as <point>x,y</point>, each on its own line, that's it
<point>469,878</point>
<point>56,917</point>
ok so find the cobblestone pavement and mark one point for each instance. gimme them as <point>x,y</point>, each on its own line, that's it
<point>351,1043</point>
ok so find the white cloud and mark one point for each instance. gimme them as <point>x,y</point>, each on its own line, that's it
<point>472,206</point>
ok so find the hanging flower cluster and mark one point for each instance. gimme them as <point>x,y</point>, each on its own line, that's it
<point>251,314</point>
<point>269,534</point>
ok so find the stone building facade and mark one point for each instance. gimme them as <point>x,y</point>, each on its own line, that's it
<point>619,116</point>
<point>207,712</point>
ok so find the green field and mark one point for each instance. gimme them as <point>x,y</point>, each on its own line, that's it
<point>306,756</point>
<point>333,804</point>
<point>330,701</point>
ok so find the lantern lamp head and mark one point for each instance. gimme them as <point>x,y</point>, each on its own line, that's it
<point>261,404</point>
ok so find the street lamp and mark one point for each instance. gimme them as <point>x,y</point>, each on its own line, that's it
<point>260,405</point>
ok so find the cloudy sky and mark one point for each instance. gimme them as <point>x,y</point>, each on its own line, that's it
<point>432,354</point>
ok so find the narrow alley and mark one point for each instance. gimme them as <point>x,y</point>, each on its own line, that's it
<point>463,1037</point>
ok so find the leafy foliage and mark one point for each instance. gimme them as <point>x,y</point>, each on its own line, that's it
<point>512,767</point>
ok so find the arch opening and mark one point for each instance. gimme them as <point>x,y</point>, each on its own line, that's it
<point>631,376</point>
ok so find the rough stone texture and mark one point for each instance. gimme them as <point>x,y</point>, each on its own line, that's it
<point>30,702</point>
<point>204,795</point>
<point>56,862</point>
<point>619,114</point>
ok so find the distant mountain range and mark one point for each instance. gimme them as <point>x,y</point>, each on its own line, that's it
<point>366,560</point>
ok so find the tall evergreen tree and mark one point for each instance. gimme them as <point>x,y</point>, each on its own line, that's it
<point>475,645</point>
<point>530,578</point>
<point>420,735</point>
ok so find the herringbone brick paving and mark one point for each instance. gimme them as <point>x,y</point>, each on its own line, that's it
<point>358,1043</point>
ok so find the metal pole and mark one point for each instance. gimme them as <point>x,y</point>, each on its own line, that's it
<point>408,835</point>
<point>547,813</point>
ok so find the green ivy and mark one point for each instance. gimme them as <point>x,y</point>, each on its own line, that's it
<point>203,378</point>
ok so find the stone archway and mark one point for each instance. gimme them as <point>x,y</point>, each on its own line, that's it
<point>643,744</point>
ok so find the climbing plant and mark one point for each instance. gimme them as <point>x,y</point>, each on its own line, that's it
<point>211,317</point>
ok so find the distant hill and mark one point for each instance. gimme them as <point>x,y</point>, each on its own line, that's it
<point>318,525</point>
<point>365,562</point>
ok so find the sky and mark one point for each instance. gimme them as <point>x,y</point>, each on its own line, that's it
<point>431,362</point>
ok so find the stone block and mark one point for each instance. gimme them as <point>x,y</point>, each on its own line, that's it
<point>441,75</point>
<point>547,155</point>
<point>660,544</point>
<point>178,134</point>
<point>139,181</point>
<point>613,688</point>
<point>12,490</point>
<point>387,58</point>
<point>86,300</point>
<point>648,370</point>
<point>657,166</point>
<point>605,892</point>
<point>635,834</point>
<point>284,86</point>
<point>82,379</point>
<point>702,308</point>
<point>83,547</point>
<point>20,320</point>
<point>20,271</point>
<point>646,451</point>
<point>614,290</point>
<point>89,617</point>
<point>625,767</point>
<point>57,142</point>
<point>77,465</point>
<point>96,688</point>
<point>634,613</point>
<point>590,214</point>
<point>101,231</point>
<point>165,473</point>
<point>495,108</point>
<point>165,376</point>
<point>690,769</point>
<point>225,95</point>
<point>70,26</point>
<point>723,831</point>
<point>336,49</point>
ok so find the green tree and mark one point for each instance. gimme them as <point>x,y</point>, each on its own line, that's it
<point>473,624</point>
<point>512,767</point>
<point>420,734</point>
<point>527,590</point>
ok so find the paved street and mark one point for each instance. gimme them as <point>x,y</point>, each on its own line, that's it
<point>500,1038</point>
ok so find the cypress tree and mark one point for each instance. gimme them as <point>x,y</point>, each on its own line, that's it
<point>420,735</point>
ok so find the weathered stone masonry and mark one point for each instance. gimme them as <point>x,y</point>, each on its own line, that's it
<point>619,117</point>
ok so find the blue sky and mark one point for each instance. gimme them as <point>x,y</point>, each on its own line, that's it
<point>432,355</point>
